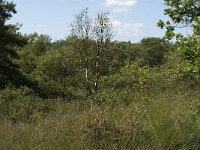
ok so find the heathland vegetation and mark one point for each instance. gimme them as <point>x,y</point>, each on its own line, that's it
<point>90,92</point>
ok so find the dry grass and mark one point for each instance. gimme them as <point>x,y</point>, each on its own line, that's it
<point>158,124</point>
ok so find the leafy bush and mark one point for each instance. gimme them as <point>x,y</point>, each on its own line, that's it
<point>153,51</point>
<point>113,98</point>
<point>22,105</point>
<point>132,77</point>
<point>56,74</point>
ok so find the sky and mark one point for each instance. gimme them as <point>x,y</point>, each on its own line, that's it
<point>132,20</point>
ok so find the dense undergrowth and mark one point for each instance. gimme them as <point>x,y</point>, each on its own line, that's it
<point>158,111</point>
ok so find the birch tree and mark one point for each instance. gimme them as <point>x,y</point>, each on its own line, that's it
<point>102,35</point>
<point>92,39</point>
<point>81,33</point>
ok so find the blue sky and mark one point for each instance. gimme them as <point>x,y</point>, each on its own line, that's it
<point>132,19</point>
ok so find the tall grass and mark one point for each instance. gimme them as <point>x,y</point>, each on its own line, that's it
<point>160,123</point>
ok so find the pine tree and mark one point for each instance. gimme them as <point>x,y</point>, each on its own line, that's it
<point>10,39</point>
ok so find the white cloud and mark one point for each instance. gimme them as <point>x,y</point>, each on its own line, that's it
<point>127,3</point>
<point>41,26</point>
<point>120,5</point>
<point>127,28</point>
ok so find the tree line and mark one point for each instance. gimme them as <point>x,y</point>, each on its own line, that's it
<point>79,62</point>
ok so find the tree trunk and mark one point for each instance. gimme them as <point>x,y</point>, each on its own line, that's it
<point>88,88</point>
<point>96,84</point>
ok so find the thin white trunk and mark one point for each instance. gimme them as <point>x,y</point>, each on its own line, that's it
<point>86,74</point>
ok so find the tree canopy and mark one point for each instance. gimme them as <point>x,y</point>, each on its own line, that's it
<point>185,13</point>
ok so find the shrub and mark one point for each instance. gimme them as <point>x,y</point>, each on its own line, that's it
<point>132,77</point>
<point>105,134</point>
<point>22,105</point>
<point>102,134</point>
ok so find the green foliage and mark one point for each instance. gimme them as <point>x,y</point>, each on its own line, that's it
<point>189,48</point>
<point>124,53</point>
<point>56,72</point>
<point>56,65</point>
<point>182,13</point>
<point>91,40</point>
<point>21,105</point>
<point>150,50</point>
<point>185,14</point>
<point>51,65</point>
<point>120,88</point>
<point>154,50</point>
<point>112,98</point>
<point>37,46</point>
<point>131,76</point>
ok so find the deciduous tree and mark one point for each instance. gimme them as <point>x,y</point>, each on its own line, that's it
<point>102,33</point>
<point>185,13</point>
<point>92,40</point>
